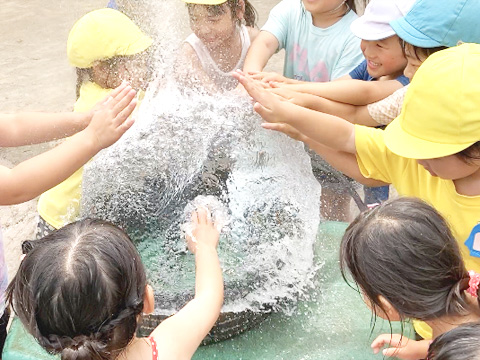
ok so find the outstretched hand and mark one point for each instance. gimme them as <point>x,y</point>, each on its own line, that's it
<point>204,231</point>
<point>400,347</point>
<point>110,118</point>
<point>268,105</point>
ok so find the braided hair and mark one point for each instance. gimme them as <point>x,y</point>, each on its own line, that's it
<point>79,291</point>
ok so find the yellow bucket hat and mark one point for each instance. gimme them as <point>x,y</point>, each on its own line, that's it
<point>205,2</point>
<point>103,34</point>
<point>441,111</point>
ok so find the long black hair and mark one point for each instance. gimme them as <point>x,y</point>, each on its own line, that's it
<point>404,251</point>
<point>79,291</point>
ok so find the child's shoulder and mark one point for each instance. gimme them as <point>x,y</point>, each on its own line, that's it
<point>252,33</point>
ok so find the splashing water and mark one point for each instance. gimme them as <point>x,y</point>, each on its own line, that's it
<point>186,144</point>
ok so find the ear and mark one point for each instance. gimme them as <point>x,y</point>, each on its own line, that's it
<point>240,12</point>
<point>387,311</point>
<point>148,300</point>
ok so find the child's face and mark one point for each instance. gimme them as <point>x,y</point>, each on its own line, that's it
<point>213,29</point>
<point>321,6</point>
<point>449,167</point>
<point>413,61</point>
<point>384,57</point>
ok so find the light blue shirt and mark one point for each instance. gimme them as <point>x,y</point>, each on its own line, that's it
<point>313,53</point>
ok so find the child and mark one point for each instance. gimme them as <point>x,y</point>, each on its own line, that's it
<point>219,42</point>
<point>407,264</point>
<point>420,40</point>
<point>81,290</point>
<point>318,43</point>
<point>102,62</point>
<point>430,151</point>
<point>91,132</point>
<point>460,343</point>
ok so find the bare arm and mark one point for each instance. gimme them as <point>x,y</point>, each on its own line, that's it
<point>36,127</point>
<point>261,50</point>
<point>180,335</point>
<point>329,130</point>
<point>356,114</point>
<point>33,128</point>
<point>350,91</point>
<point>40,173</point>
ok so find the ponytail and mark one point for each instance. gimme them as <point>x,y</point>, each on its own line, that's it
<point>250,14</point>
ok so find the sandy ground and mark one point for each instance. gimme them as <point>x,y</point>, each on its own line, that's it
<point>36,76</point>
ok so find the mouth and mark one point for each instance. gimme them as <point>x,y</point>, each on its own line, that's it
<point>373,64</point>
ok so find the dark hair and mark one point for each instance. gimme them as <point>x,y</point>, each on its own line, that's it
<point>461,343</point>
<point>80,290</point>
<point>404,251</point>
<point>470,153</point>
<point>250,15</point>
<point>420,51</point>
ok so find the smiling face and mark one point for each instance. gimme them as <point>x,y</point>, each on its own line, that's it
<point>384,57</point>
<point>214,25</point>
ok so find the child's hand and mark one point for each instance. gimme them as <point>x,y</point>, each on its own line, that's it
<point>204,231</point>
<point>267,77</point>
<point>109,121</point>
<point>401,347</point>
<point>288,130</point>
<point>268,105</point>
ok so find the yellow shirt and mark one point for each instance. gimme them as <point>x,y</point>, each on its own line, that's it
<point>60,205</point>
<point>411,179</point>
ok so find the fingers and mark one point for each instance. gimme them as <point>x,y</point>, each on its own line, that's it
<point>391,352</point>
<point>125,113</point>
<point>118,89</point>
<point>123,100</point>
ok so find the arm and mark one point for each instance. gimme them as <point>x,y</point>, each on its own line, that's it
<point>350,91</point>
<point>261,50</point>
<point>180,335</point>
<point>33,128</point>
<point>401,347</point>
<point>340,160</point>
<point>356,114</point>
<point>329,130</point>
<point>40,173</point>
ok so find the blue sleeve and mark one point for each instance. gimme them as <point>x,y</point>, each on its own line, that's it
<point>278,22</point>
<point>403,80</point>
<point>360,72</point>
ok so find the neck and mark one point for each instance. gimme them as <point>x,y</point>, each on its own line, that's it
<point>445,323</point>
<point>328,18</point>
<point>468,186</point>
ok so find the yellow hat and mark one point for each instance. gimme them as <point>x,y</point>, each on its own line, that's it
<point>441,111</point>
<point>205,2</point>
<point>103,34</point>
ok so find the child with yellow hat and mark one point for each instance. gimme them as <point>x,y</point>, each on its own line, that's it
<point>107,48</point>
<point>431,151</point>
<point>219,42</point>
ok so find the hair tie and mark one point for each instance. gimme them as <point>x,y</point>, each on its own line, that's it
<point>473,283</point>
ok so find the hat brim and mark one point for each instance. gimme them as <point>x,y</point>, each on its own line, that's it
<point>411,35</point>
<point>409,146</point>
<point>359,26</point>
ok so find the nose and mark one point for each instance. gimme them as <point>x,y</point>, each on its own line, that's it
<point>365,47</point>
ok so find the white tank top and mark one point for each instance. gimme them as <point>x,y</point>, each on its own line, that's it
<point>223,80</point>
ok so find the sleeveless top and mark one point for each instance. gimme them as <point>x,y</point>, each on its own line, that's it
<point>223,80</point>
